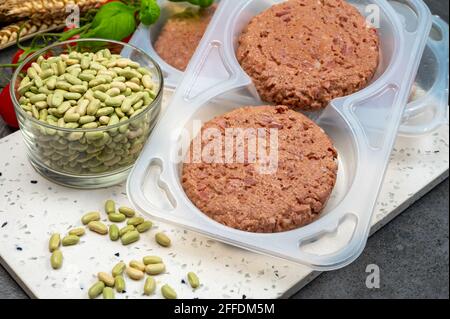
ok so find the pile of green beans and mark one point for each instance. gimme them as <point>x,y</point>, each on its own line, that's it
<point>98,92</point>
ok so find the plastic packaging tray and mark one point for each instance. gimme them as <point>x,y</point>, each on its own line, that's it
<point>428,109</point>
<point>424,114</point>
<point>144,37</point>
<point>363,127</point>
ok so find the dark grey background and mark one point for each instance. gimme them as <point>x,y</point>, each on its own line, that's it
<point>411,251</point>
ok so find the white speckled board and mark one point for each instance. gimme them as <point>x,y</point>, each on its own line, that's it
<point>31,208</point>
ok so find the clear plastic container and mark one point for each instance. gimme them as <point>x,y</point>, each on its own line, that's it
<point>88,158</point>
<point>144,37</point>
<point>428,108</point>
<point>422,115</point>
<point>363,127</point>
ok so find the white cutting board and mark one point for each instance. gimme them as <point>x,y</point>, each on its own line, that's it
<point>31,208</point>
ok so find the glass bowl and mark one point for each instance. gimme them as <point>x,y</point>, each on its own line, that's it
<point>87,157</point>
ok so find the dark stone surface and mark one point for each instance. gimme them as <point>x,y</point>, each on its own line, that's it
<point>411,251</point>
<point>9,289</point>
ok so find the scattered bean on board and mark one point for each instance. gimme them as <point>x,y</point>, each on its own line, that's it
<point>136,270</point>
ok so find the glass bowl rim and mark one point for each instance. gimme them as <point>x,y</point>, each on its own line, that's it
<point>36,54</point>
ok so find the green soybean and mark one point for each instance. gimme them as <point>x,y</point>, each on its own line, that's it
<point>118,269</point>
<point>93,107</point>
<point>145,226</point>
<point>38,97</point>
<point>71,117</point>
<point>147,260</point>
<point>129,212</point>
<point>96,289</point>
<point>135,221</point>
<point>147,81</point>
<point>149,286</point>
<point>126,229</point>
<point>57,99</point>
<point>101,95</point>
<point>162,239</point>
<point>168,292</point>
<point>110,206</point>
<point>72,79</point>
<point>98,227</point>
<point>54,242</point>
<point>130,237</point>
<point>77,232</point>
<point>56,259</point>
<point>116,217</point>
<point>89,217</point>
<point>86,119</point>
<point>63,85</point>
<point>108,293</point>
<point>114,101</point>
<point>72,96</point>
<point>70,240</point>
<point>78,89</point>
<point>105,111</point>
<point>155,269</point>
<point>193,280</point>
<point>114,232</point>
<point>86,76</point>
<point>119,284</point>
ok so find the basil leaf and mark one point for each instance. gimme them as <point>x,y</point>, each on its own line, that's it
<point>109,10</point>
<point>200,3</point>
<point>117,26</point>
<point>149,12</point>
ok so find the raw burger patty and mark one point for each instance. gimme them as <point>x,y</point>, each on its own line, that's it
<point>181,35</point>
<point>238,196</point>
<point>304,53</point>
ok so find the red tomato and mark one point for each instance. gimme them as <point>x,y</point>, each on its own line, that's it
<point>17,56</point>
<point>127,38</point>
<point>7,108</point>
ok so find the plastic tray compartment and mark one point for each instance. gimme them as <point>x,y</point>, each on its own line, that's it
<point>145,38</point>
<point>363,127</point>
<point>428,108</point>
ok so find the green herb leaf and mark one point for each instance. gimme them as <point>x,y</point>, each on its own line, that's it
<point>113,21</point>
<point>200,3</point>
<point>109,10</point>
<point>149,12</point>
